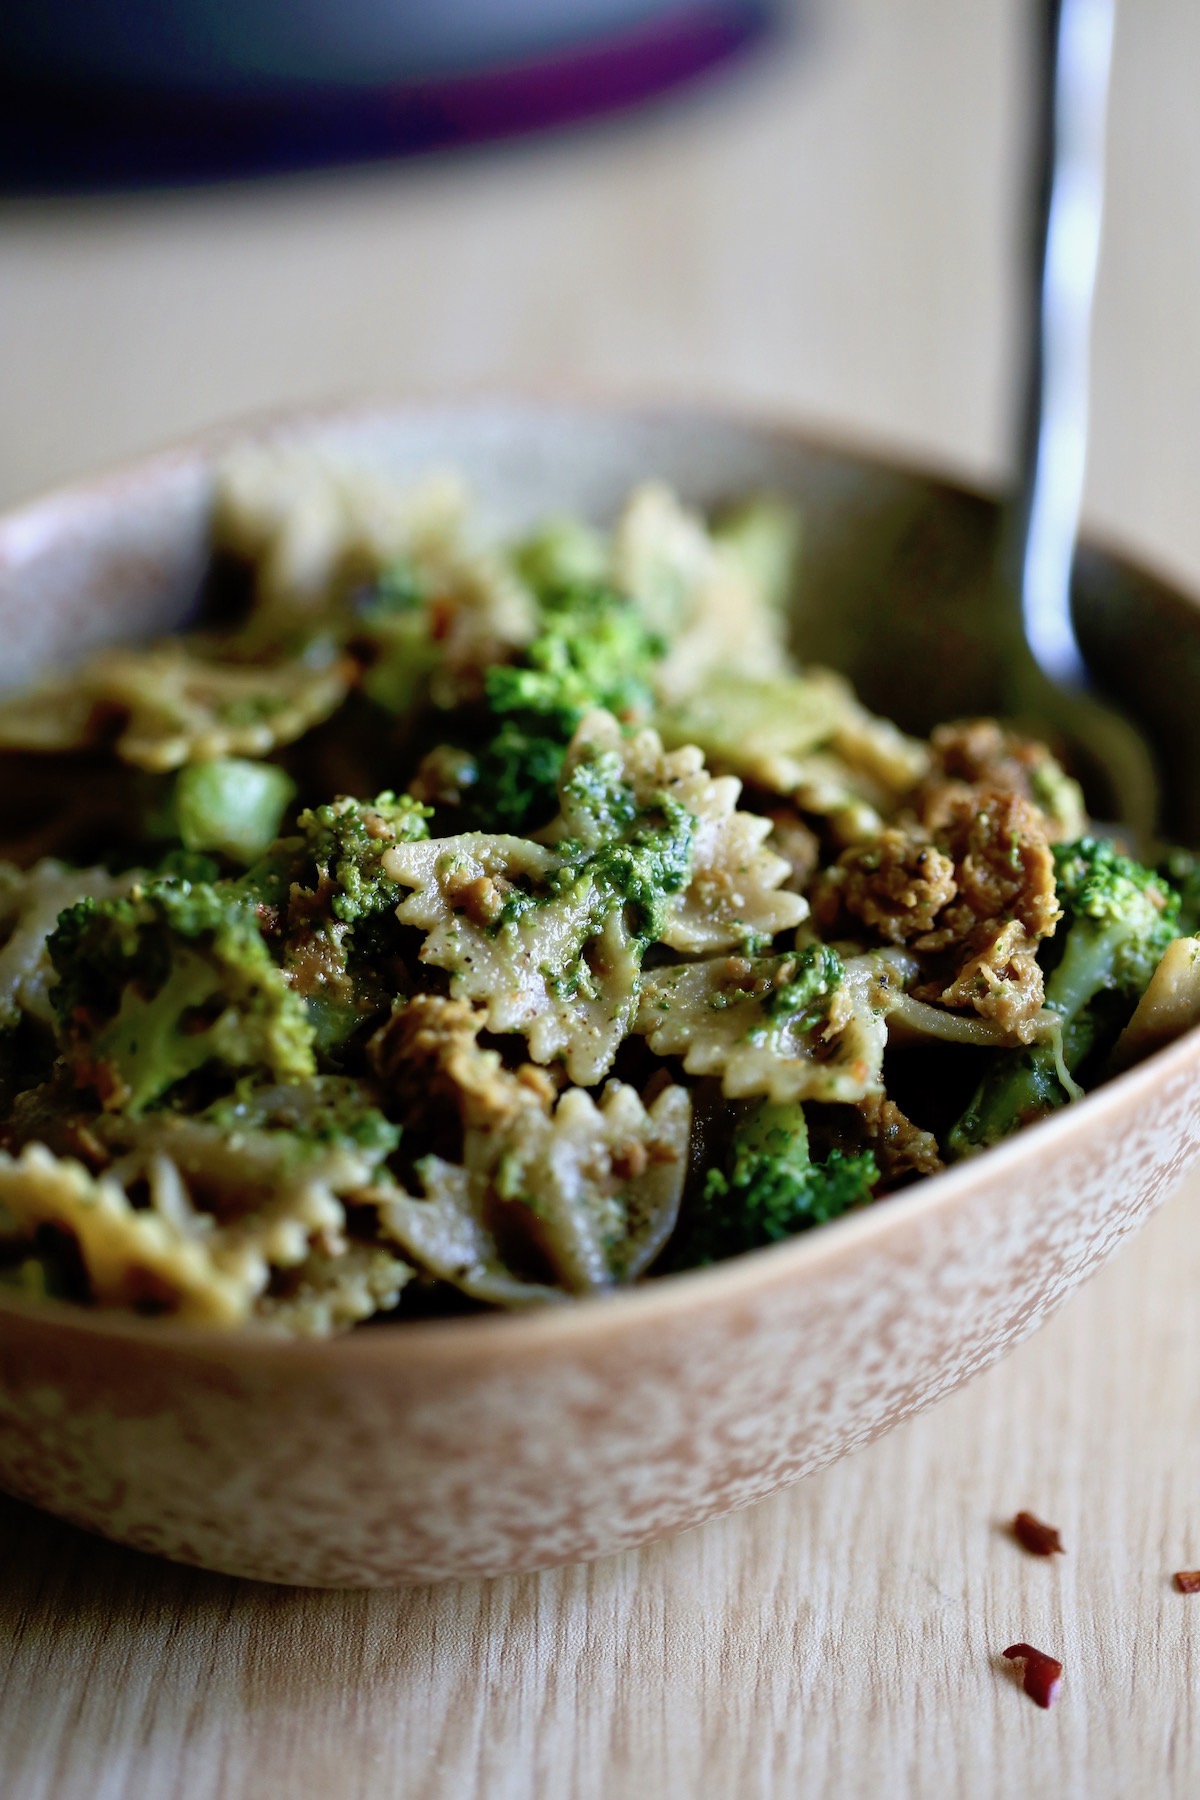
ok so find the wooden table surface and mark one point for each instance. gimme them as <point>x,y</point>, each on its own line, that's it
<point>830,233</point>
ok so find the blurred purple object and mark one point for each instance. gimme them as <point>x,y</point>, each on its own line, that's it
<point>61,131</point>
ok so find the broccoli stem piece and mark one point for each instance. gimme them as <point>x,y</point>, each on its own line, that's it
<point>231,806</point>
<point>1118,919</point>
<point>771,1188</point>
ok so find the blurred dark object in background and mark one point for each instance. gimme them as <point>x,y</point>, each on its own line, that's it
<point>110,93</point>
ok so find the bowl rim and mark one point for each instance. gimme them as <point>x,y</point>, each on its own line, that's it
<point>641,400</point>
<point>664,1298</point>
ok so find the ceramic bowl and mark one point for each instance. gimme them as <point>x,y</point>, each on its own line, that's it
<point>494,1444</point>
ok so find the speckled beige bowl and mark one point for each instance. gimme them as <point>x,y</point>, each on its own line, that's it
<point>492,1444</point>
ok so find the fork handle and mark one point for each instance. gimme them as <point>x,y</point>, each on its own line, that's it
<point>1074,53</point>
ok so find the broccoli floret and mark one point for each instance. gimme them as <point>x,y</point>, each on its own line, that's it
<point>231,806</point>
<point>1118,919</point>
<point>1125,913</point>
<point>592,650</point>
<point>174,979</point>
<point>771,1188</point>
<point>513,781</point>
<point>329,906</point>
<point>347,841</point>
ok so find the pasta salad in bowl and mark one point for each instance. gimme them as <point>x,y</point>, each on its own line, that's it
<point>478,899</point>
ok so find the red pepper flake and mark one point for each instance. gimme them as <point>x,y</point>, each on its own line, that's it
<point>1043,1674</point>
<point>1188,1581</point>
<point>1032,1535</point>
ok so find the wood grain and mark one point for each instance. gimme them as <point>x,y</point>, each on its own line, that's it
<point>829,236</point>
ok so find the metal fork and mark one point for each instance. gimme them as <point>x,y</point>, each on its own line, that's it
<point>1048,680</point>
